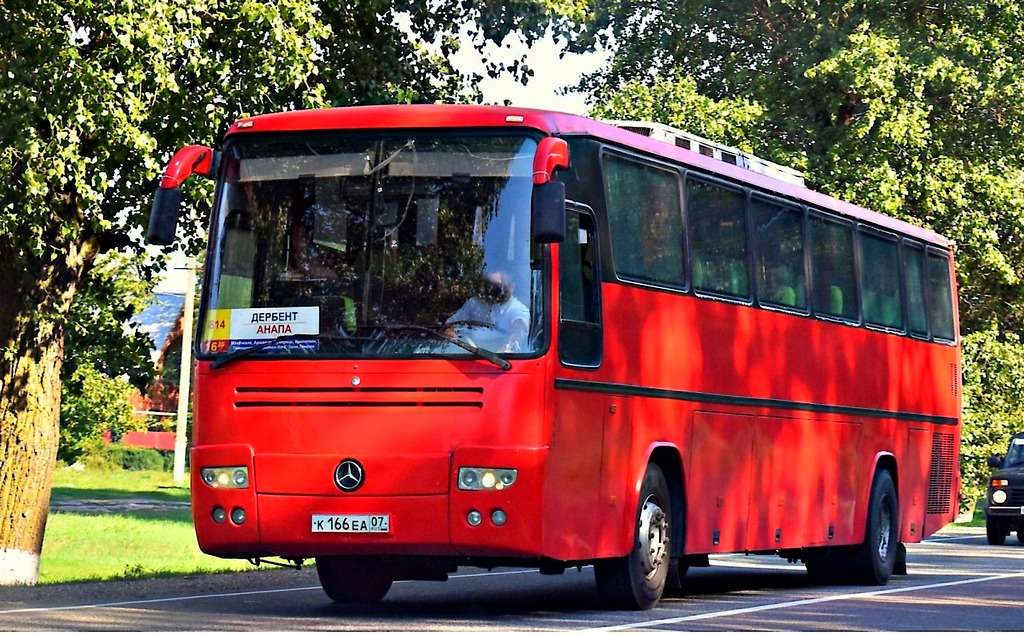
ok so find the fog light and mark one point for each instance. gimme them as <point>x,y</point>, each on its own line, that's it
<point>474,518</point>
<point>219,515</point>
<point>498,517</point>
<point>238,515</point>
<point>999,496</point>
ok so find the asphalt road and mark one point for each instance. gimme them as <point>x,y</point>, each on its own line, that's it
<point>956,582</point>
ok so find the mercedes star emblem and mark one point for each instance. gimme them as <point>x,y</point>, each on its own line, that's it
<point>348,475</point>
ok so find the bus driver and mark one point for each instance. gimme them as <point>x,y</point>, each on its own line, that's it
<point>496,319</point>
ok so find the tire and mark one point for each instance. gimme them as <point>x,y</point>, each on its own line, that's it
<point>873,561</point>
<point>637,581</point>
<point>353,579</point>
<point>995,530</point>
<point>1020,535</point>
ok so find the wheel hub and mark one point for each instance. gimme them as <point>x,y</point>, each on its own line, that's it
<point>653,537</point>
<point>885,523</point>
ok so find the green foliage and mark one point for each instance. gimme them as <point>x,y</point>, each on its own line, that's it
<point>116,457</point>
<point>676,101</point>
<point>993,403</point>
<point>114,291</point>
<point>92,404</point>
<point>910,109</point>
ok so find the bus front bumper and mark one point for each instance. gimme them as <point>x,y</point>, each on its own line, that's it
<point>295,507</point>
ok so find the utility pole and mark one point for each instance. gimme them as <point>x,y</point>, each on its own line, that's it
<point>185,372</point>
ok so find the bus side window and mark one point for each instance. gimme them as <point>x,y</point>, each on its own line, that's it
<point>645,219</point>
<point>913,265</point>
<point>779,254</point>
<point>882,298</point>
<point>940,297</point>
<point>579,306</point>
<point>716,221</point>
<point>833,273</point>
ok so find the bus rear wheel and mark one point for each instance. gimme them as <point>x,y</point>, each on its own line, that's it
<point>873,560</point>
<point>637,581</point>
<point>354,579</point>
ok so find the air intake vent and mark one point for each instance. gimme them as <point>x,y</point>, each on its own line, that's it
<point>940,481</point>
<point>347,397</point>
<point>722,152</point>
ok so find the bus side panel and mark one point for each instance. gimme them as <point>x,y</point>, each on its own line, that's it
<point>572,511</point>
<point>719,477</point>
<point>790,470</point>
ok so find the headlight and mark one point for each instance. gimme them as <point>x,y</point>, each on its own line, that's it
<point>485,478</point>
<point>999,496</point>
<point>226,477</point>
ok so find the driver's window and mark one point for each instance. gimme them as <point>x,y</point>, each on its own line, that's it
<point>579,306</point>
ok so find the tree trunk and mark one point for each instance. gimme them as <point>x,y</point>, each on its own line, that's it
<point>36,298</point>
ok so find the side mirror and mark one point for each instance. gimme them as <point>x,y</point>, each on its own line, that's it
<point>189,160</point>
<point>548,222</point>
<point>996,462</point>
<point>163,219</point>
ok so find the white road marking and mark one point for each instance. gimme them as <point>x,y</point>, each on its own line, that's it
<point>795,604</point>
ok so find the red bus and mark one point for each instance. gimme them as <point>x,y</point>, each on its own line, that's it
<point>444,335</point>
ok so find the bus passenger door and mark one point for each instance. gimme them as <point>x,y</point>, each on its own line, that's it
<point>573,494</point>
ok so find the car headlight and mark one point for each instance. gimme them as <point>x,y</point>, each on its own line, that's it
<point>226,477</point>
<point>999,496</point>
<point>486,478</point>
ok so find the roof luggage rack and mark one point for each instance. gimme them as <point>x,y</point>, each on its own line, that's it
<point>719,151</point>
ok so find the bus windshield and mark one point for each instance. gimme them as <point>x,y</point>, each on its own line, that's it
<point>357,245</point>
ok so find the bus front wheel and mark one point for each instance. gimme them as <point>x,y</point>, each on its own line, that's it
<point>637,580</point>
<point>875,558</point>
<point>354,579</point>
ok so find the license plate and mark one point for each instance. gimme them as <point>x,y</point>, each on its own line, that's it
<point>351,523</point>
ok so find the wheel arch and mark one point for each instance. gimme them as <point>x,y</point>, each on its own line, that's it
<point>887,461</point>
<point>669,460</point>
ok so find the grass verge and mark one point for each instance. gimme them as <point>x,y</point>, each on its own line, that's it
<point>91,546</point>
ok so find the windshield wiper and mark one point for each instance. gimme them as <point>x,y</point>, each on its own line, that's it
<point>481,353</point>
<point>244,352</point>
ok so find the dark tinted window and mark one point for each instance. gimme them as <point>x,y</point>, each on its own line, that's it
<point>718,238</point>
<point>833,274</point>
<point>645,220</point>
<point>881,294</point>
<point>779,254</point>
<point>579,310</point>
<point>913,264</point>
<point>940,297</point>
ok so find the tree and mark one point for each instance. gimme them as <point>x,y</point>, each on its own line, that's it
<point>913,109</point>
<point>910,108</point>
<point>96,93</point>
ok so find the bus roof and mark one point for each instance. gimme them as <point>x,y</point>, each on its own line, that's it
<point>433,116</point>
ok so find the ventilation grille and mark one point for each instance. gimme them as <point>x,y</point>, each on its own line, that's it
<point>347,397</point>
<point>940,482</point>
<point>954,380</point>
<point>724,153</point>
